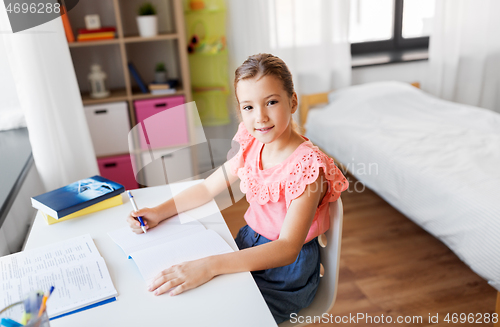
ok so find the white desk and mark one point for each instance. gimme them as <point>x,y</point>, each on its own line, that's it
<point>227,300</point>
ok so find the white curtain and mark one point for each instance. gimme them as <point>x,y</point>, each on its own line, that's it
<point>310,36</point>
<point>50,99</point>
<point>464,53</point>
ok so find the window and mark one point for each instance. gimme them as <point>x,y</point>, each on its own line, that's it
<point>389,25</point>
<point>295,23</point>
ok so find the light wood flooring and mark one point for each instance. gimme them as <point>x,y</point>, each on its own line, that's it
<point>391,266</point>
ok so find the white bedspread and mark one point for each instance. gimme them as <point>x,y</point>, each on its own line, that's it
<point>436,161</point>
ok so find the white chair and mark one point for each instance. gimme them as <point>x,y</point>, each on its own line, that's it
<point>330,259</point>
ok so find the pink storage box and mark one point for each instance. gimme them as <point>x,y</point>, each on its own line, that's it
<point>118,169</point>
<point>163,122</point>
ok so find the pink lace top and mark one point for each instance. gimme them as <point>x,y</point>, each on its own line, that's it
<point>270,191</point>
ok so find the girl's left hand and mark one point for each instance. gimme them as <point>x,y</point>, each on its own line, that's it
<point>182,277</point>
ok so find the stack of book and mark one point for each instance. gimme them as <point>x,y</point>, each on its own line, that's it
<point>79,198</point>
<point>161,88</point>
<point>103,33</point>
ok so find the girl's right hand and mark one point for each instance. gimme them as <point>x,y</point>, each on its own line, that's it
<point>150,216</point>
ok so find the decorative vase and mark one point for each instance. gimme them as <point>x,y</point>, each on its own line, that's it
<point>148,25</point>
<point>161,77</point>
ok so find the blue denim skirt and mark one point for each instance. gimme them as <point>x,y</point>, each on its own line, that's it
<point>289,288</point>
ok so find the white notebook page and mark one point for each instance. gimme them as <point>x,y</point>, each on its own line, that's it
<point>167,231</point>
<point>196,246</point>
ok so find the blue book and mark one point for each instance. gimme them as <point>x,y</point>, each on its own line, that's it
<point>76,196</point>
<point>137,78</point>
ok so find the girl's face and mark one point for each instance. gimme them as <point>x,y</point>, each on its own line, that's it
<point>264,104</point>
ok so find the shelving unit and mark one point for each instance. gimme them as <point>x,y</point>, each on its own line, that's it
<point>122,40</point>
<point>169,46</point>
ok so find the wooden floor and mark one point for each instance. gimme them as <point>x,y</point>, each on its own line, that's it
<point>391,266</point>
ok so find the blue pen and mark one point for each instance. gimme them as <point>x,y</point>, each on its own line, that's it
<point>136,209</point>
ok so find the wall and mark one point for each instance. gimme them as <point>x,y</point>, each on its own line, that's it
<point>415,71</point>
<point>11,115</point>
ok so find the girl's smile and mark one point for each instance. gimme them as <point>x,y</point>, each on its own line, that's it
<point>265,130</point>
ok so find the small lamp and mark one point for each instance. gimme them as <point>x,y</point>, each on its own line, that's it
<point>97,85</point>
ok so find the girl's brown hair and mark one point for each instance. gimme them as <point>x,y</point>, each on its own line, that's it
<point>264,64</point>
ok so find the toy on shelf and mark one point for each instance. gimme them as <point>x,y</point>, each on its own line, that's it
<point>92,22</point>
<point>212,45</point>
<point>197,4</point>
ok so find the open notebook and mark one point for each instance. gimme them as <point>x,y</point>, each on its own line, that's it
<point>74,267</point>
<point>168,244</point>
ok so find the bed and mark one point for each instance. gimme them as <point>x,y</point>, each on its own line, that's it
<point>436,161</point>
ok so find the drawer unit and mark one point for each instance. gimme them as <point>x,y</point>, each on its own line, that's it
<point>164,122</point>
<point>168,166</point>
<point>109,127</point>
<point>118,169</point>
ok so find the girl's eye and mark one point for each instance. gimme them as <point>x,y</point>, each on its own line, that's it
<point>270,103</point>
<point>247,108</point>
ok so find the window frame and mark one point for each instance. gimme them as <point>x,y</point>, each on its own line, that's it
<point>397,43</point>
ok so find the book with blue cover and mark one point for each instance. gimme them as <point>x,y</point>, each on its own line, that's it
<point>137,77</point>
<point>76,196</point>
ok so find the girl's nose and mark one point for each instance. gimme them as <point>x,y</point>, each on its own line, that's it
<point>261,115</point>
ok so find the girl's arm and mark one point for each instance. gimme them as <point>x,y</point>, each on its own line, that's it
<point>190,198</point>
<point>286,248</point>
<point>277,253</point>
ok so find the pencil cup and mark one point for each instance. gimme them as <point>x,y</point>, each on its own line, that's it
<point>14,314</point>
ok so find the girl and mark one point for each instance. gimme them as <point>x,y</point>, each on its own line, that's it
<point>288,193</point>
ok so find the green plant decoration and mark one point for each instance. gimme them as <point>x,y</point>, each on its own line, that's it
<point>160,67</point>
<point>147,9</point>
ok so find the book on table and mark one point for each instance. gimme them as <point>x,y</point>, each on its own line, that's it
<point>109,203</point>
<point>76,196</point>
<point>74,267</point>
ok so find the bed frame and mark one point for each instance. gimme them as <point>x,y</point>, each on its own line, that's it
<point>308,102</point>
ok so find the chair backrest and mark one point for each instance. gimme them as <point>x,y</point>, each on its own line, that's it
<point>330,259</point>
